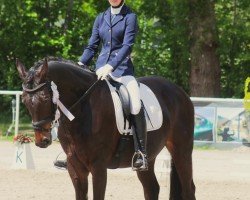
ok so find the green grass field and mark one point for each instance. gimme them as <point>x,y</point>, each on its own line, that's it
<point>24,128</point>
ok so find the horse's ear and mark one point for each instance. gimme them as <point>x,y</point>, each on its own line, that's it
<point>41,72</point>
<point>21,69</point>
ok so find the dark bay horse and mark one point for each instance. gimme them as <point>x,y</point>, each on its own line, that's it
<point>91,140</point>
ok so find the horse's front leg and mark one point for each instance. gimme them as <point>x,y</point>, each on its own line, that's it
<point>80,181</point>
<point>99,179</point>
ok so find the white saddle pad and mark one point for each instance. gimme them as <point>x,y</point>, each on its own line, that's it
<point>153,113</point>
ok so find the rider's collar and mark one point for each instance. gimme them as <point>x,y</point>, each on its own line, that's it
<point>116,11</point>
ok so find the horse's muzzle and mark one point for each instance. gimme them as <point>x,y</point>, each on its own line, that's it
<point>44,143</point>
<point>42,140</point>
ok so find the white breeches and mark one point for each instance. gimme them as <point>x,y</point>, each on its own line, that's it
<point>134,93</point>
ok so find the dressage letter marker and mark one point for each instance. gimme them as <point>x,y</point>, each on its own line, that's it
<point>23,157</point>
<point>18,156</point>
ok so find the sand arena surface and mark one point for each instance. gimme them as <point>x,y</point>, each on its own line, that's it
<point>218,175</point>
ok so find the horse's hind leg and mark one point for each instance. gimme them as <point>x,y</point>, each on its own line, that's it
<point>182,186</point>
<point>149,182</point>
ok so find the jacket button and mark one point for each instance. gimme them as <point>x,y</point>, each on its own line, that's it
<point>109,30</point>
<point>108,42</point>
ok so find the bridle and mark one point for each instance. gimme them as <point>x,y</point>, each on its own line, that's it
<point>39,124</point>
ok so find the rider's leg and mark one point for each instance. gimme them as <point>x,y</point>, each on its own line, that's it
<point>138,121</point>
<point>139,124</point>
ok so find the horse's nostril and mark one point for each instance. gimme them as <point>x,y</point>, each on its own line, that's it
<point>46,141</point>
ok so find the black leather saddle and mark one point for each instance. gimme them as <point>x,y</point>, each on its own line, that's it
<point>123,95</point>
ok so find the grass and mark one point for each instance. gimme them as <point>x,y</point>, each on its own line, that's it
<point>7,138</point>
<point>24,128</point>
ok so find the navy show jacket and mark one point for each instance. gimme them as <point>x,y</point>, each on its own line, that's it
<point>117,39</point>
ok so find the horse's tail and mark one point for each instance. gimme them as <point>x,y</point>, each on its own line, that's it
<point>175,185</point>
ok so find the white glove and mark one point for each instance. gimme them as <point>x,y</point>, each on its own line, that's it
<point>103,72</point>
<point>80,63</point>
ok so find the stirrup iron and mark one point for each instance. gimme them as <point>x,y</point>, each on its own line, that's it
<point>137,155</point>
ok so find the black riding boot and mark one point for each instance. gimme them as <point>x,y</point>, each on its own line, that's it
<point>139,161</point>
<point>61,164</point>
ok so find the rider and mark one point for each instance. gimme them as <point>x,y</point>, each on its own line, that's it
<point>116,29</point>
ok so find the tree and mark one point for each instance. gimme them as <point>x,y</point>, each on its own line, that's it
<point>162,43</point>
<point>32,30</point>
<point>205,66</point>
<point>234,37</point>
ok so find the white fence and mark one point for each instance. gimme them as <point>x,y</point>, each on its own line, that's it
<point>207,109</point>
<point>17,94</point>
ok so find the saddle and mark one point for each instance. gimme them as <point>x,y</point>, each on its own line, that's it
<point>121,101</point>
<point>123,95</point>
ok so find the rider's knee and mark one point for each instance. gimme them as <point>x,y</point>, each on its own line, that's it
<point>135,107</point>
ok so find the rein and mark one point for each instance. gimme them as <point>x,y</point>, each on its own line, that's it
<point>91,88</point>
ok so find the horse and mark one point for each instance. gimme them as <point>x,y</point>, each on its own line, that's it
<point>91,140</point>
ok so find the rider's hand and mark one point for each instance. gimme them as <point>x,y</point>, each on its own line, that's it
<point>82,65</point>
<point>103,72</point>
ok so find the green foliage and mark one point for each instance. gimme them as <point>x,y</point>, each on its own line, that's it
<point>162,44</point>
<point>234,38</point>
<point>31,30</point>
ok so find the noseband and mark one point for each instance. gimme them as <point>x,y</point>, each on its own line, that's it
<point>39,124</point>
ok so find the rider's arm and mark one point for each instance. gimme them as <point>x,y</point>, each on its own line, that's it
<point>93,44</point>
<point>128,41</point>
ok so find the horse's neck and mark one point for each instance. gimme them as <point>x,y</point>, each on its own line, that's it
<point>72,82</point>
<point>71,88</point>
<point>90,116</point>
